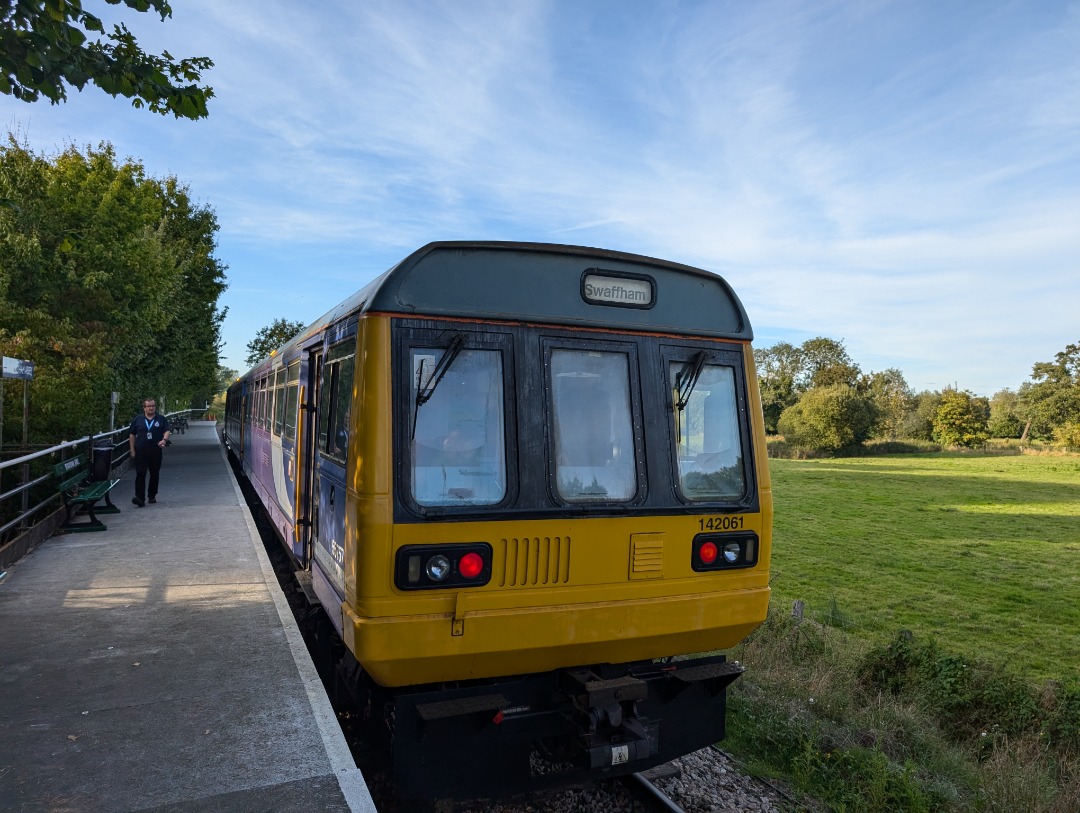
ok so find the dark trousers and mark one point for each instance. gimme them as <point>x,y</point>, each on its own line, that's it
<point>147,459</point>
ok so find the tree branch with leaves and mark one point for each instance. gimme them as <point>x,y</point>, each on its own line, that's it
<point>46,45</point>
<point>270,338</point>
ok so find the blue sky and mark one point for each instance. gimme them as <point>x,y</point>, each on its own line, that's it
<point>903,176</point>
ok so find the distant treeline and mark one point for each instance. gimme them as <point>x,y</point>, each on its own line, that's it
<point>819,400</point>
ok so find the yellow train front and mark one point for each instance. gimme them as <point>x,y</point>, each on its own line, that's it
<point>549,490</point>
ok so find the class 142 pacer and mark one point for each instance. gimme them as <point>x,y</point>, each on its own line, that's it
<point>528,486</point>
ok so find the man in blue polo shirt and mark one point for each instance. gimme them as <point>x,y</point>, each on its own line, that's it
<point>149,434</point>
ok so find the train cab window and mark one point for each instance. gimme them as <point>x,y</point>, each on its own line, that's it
<point>291,399</point>
<point>707,437</point>
<point>279,401</point>
<point>592,417</point>
<point>457,448</point>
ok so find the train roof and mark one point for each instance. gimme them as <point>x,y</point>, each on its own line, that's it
<point>549,283</point>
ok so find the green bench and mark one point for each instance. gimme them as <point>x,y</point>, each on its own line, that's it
<point>81,492</point>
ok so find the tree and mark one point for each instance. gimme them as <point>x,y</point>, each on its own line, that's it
<point>1006,420</point>
<point>1053,398</point>
<point>892,399</point>
<point>107,282</point>
<point>826,363</point>
<point>961,419</point>
<point>44,47</point>
<point>1068,435</point>
<point>225,378</point>
<point>785,372</point>
<point>918,423</point>
<point>828,419</point>
<point>778,368</point>
<point>270,338</point>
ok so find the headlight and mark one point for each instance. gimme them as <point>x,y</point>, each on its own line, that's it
<point>438,568</point>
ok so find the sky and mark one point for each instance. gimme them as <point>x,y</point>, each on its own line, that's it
<point>903,176</point>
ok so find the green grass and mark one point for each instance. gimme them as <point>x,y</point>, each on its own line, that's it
<point>980,552</point>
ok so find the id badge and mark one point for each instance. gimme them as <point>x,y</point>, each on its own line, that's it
<point>149,435</point>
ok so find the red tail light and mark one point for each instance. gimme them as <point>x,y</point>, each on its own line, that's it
<point>471,565</point>
<point>707,553</point>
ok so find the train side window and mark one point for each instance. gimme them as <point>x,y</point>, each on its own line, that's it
<point>279,401</point>
<point>592,423</point>
<point>335,402</point>
<point>325,403</point>
<point>291,399</point>
<point>458,441</point>
<point>343,398</point>
<point>263,393</point>
<point>707,437</point>
<point>259,391</point>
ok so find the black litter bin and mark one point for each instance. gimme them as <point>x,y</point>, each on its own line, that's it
<point>101,466</point>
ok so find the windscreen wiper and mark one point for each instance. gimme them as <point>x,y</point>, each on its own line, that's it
<point>691,381</point>
<point>424,393</point>
<point>683,391</point>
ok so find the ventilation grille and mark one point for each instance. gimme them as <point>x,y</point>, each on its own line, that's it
<point>646,556</point>
<point>535,561</point>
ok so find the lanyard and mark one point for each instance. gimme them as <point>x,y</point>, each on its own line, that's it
<point>149,427</point>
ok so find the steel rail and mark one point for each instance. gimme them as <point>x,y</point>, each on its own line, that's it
<point>655,794</point>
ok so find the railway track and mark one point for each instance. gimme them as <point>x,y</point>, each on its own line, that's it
<point>643,786</point>
<point>703,781</point>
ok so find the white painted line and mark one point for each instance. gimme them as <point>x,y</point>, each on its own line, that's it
<point>350,778</point>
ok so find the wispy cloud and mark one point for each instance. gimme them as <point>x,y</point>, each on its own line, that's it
<point>901,175</point>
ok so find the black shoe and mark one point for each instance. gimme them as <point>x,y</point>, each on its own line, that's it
<point>137,502</point>
<point>152,500</point>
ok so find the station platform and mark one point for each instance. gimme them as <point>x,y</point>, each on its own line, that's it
<point>155,666</point>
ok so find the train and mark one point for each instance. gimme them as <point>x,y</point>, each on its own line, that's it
<point>527,486</point>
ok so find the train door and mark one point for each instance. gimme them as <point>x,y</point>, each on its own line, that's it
<point>245,416</point>
<point>307,490</point>
<point>330,492</point>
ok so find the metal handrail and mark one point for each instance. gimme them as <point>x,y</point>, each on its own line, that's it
<point>24,487</point>
<point>67,444</point>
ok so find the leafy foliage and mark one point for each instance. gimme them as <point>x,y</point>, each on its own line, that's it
<point>827,363</point>
<point>270,338</point>
<point>44,47</point>
<point>1068,434</point>
<point>971,697</point>
<point>225,377</point>
<point>1006,420</point>
<point>1046,408</point>
<point>961,419</point>
<point>778,369</point>
<point>1053,397</point>
<point>785,372</point>
<point>892,399</point>
<point>108,283</point>
<point>828,419</point>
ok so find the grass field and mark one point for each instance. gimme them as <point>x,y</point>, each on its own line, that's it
<point>982,552</point>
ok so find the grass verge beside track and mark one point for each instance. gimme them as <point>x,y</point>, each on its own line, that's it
<point>981,552</point>
<point>936,666</point>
